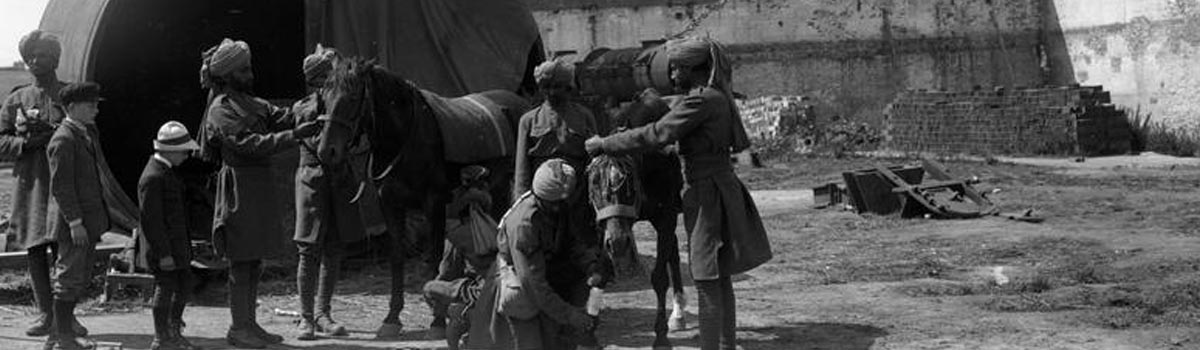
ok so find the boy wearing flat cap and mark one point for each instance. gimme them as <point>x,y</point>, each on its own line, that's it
<point>165,227</point>
<point>77,203</point>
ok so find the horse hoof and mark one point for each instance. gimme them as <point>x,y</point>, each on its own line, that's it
<point>389,331</point>
<point>676,324</point>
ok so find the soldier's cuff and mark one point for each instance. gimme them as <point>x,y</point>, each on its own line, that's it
<point>76,222</point>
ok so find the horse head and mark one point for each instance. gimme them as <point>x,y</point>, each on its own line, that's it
<point>615,193</point>
<point>357,94</point>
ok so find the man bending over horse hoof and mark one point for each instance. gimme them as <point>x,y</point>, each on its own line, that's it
<point>325,216</point>
<point>539,255</point>
<point>241,132</point>
<point>466,258</point>
<point>718,212</point>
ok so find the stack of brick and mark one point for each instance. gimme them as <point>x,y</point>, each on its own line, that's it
<point>1061,120</point>
<point>774,116</point>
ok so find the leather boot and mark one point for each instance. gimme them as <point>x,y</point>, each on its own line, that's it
<point>67,339</point>
<point>39,276</point>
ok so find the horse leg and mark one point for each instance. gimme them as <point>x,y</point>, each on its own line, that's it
<point>435,214</point>
<point>394,217</point>
<point>668,251</point>
<point>659,279</point>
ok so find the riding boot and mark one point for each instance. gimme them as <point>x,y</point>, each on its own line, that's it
<point>330,267</point>
<point>241,334</point>
<point>252,313</point>
<point>67,338</point>
<point>711,318</point>
<point>163,335</point>
<point>728,315</point>
<point>306,284</point>
<point>40,259</point>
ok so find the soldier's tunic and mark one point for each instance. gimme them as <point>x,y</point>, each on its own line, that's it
<point>32,195</point>
<point>323,191</point>
<point>543,134</point>
<point>538,246</point>
<point>718,213</point>
<point>245,131</point>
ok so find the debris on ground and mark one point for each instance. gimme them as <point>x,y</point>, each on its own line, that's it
<point>927,191</point>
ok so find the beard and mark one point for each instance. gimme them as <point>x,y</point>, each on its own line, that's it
<point>243,85</point>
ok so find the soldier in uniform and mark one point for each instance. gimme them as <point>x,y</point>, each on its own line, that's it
<point>535,241</point>
<point>28,118</point>
<point>241,132</point>
<point>557,129</point>
<point>325,217</point>
<point>725,232</point>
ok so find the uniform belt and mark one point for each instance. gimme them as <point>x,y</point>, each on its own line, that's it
<point>703,166</point>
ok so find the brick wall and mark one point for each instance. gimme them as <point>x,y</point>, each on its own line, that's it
<point>1064,120</point>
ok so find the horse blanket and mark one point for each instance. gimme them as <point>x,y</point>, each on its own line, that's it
<point>474,128</point>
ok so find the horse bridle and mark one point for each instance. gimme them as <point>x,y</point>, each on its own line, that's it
<point>358,130</point>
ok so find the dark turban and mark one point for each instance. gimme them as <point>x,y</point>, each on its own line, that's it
<point>39,39</point>
<point>318,63</point>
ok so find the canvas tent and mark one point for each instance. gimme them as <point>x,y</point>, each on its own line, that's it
<point>145,53</point>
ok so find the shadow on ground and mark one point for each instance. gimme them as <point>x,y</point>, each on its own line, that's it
<point>636,330</point>
<point>142,341</point>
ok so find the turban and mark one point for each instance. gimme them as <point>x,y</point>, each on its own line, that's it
<point>696,51</point>
<point>228,57</point>
<point>38,39</point>
<point>553,180</point>
<point>318,63</point>
<point>554,72</point>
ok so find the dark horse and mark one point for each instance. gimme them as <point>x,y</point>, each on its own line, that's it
<point>407,158</point>
<point>627,189</point>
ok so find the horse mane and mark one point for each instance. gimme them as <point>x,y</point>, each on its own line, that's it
<point>349,72</point>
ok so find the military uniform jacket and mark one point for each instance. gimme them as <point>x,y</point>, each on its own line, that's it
<point>725,232</point>
<point>323,191</point>
<point>243,132</point>
<point>544,133</point>
<point>537,245</point>
<point>30,109</point>
<point>164,215</point>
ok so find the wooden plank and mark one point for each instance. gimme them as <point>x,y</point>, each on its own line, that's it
<point>938,171</point>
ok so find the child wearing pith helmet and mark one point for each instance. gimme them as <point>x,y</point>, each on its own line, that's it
<point>165,228</point>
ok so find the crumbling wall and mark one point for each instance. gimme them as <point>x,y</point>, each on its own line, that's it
<point>851,56</point>
<point>1143,51</point>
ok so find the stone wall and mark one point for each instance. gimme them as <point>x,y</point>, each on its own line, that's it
<point>1144,51</point>
<point>850,56</point>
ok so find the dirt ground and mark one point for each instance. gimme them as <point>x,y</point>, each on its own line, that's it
<point>1114,266</point>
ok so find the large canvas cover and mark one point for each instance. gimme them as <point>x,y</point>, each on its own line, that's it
<point>451,47</point>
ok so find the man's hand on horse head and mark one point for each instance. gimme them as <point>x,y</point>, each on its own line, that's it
<point>594,145</point>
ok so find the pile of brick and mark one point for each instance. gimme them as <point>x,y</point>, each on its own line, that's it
<point>774,116</point>
<point>1062,120</point>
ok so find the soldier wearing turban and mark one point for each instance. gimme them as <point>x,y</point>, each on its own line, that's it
<point>725,233</point>
<point>325,216</point>
<point>557,129</point>
<point>27,120</point>
<point>242,132</point>
<point>537,243</point>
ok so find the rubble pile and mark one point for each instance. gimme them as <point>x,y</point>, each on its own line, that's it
<point>775,116</point>
<point>1076,120</point>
